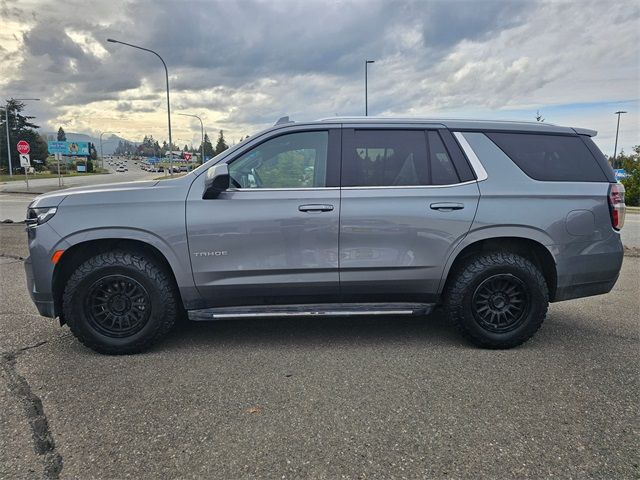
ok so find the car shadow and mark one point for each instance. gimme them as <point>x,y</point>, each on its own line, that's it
<point>316,331</point>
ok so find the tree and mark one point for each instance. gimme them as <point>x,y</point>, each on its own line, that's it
<point>149,147</point>
<point>62,137</point>
<point>221,144</point>
<point>208,147</point>
<point>39,150</point>
<point>631,164</point>
<point>20,128</point>
<point>125,148</point>
<point>93,153</point>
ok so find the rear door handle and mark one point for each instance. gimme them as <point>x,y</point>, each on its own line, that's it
<point>313,208</point>
<point>447,206</point>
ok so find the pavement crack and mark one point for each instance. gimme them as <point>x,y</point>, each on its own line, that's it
<point>43,443</point>
<point>10,255</point>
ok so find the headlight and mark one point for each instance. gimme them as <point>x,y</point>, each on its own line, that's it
<point>38,216</point>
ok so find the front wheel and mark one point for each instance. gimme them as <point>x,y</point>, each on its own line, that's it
<point>120,302</point>
<point>497,300</point>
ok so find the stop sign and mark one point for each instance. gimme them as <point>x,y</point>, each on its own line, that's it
<point>23,147</point>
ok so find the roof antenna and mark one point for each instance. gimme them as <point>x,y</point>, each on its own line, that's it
<point>282,120</point>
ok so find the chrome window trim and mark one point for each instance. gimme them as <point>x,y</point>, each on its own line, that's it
<point>479,170</point>
<point>385,187</point>
<point>296,189</point>
<point>372,187</point>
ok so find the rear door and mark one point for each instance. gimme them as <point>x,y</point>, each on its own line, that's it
<point>408,197</point>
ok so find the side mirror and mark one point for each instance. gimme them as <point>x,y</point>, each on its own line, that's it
<point>216,181</point>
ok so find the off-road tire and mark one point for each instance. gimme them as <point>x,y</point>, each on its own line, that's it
<point>459,298</point>
<point>158,285</point>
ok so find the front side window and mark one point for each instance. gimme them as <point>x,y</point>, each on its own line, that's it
<point>294,160</point>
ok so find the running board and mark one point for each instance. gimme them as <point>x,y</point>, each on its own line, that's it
<point>325,310</point>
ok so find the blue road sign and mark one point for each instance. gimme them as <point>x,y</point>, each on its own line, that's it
<point>620,173</point>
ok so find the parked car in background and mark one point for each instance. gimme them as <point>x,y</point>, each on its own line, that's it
<point>344,216</point>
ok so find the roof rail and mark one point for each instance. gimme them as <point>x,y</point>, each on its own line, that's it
<point>283,120</point>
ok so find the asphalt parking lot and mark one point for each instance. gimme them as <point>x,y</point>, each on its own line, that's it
<point>322,398</point>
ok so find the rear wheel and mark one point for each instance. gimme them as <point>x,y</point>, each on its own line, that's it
<point>120,302</point>
<point>497,300</point>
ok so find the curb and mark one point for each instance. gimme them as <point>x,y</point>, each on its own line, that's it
<point>32,192</point>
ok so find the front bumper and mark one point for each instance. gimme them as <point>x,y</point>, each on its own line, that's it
<point>43,301</point>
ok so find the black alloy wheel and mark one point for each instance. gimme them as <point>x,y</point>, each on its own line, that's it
<point>117,306</point>
<point>500,303</point>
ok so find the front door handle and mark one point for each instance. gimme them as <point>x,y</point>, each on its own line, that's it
<point>314,208</point>
<point>447,206</point>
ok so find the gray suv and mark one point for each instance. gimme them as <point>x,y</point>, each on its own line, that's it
<point>343,216</point>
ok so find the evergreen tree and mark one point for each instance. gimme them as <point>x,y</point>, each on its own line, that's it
<point>221,144</point>
<point>93,153</point>
<point>20,128</point>
<point>208,147</point>
<point>62,137</point>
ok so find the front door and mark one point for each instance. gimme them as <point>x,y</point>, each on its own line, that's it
<point>405,205</point>
<point>273,236</point>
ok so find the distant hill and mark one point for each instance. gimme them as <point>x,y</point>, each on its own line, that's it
<point>109,142</point>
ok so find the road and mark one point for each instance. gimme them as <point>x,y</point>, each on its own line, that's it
<point>14,198</point>
<point>322,398</point>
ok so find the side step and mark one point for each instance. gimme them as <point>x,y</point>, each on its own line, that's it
<point>325,310</point>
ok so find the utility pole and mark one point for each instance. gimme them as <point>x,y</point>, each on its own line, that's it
<point>101,156</point>
<point>615,148</point>
<point>166,73</point>
<point>201,132</point>
<point>366,103</point>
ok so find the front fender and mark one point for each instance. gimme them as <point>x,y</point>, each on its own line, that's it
<point>175,253</point>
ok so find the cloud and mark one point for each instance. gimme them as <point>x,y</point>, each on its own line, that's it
<point>242,64</point>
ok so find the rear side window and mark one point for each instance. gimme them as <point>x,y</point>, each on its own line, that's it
<point>387,158</point>
<point>558,158</point>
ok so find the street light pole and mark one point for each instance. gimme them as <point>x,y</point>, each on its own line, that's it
<point>6,112</point>
<point>201,132</point>
<point>366,103</point>
<point>102,156</point>
<point>615,148</point>
<point>166,73</point>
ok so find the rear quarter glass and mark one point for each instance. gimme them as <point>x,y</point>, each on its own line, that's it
<point>600,158</point>
<point>555,158</point>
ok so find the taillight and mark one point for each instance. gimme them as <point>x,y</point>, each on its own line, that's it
<point>617,208</point>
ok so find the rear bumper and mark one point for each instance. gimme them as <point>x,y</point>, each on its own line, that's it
<point>588,269</point>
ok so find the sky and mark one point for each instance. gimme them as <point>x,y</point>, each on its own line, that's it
<point>242,64</point>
